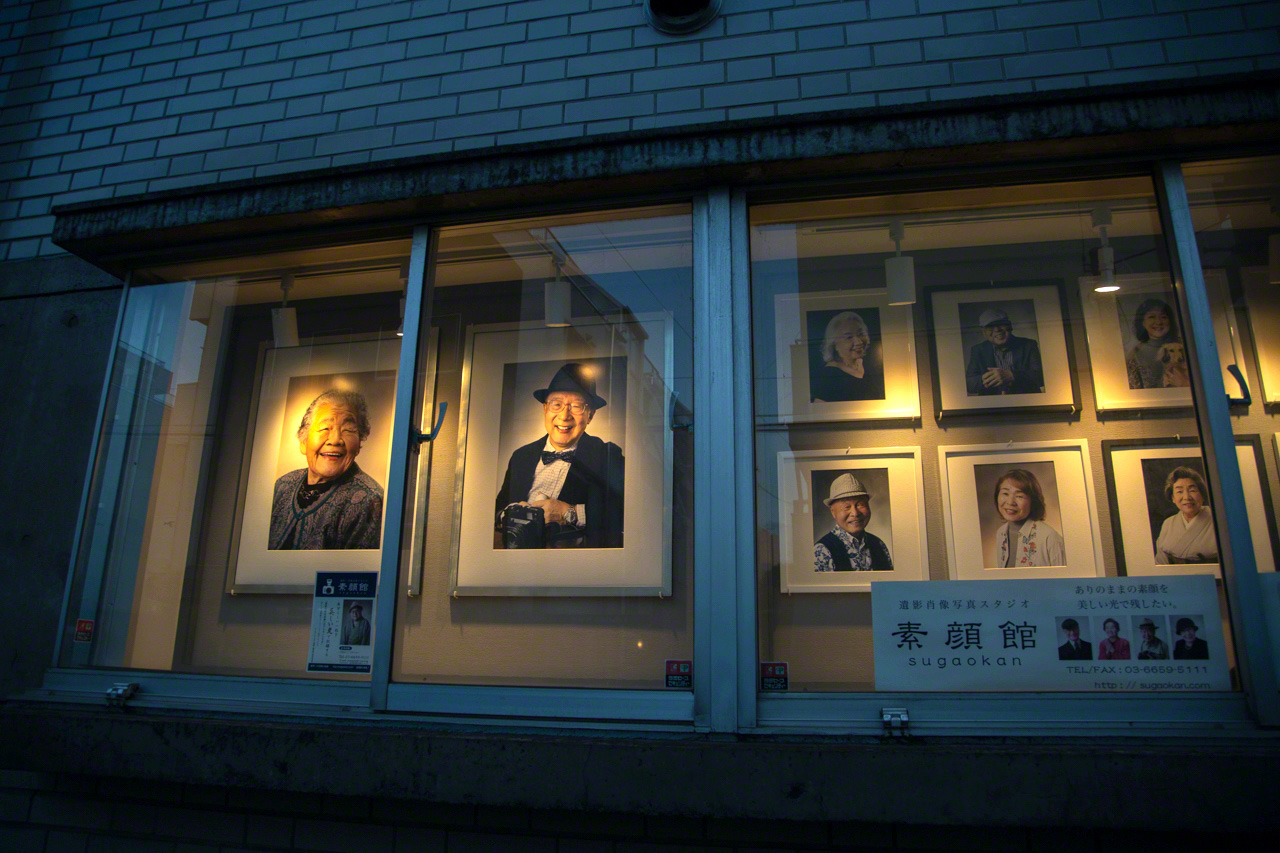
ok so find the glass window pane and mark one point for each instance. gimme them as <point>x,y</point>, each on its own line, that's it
<point>242,393</point>
<point>550,542</point>
<point>1235,208</point>
<point>972,384</point>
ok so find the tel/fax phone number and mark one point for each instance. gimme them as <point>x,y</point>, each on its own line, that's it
<point>1140,669</point>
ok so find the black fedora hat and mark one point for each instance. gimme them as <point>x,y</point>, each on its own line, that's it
<point>575,378</point>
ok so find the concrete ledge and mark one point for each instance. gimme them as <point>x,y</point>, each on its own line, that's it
<point>1120,122</point>
<point>1160,785</point>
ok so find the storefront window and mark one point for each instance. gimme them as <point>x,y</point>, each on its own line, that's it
<point>1235,209</point>
<point>982,392</point>
<point>245,447</point>
<point>549,532</point>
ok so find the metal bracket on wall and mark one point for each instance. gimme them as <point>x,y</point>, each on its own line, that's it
<point>120,693</point>
<point>1247,399</point>
<point>418,437</point>
<point>896,721</point>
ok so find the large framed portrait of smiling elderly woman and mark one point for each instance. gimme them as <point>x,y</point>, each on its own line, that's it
<point>1162,515</point>
<point>844,355</point>
<point>1137,349</point>
<point>314,472</point>
<point>1020,510</point>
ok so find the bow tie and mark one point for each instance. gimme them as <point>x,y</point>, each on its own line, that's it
<point>548,457</point>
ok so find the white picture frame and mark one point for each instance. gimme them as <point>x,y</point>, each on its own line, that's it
<point>284,386</point>
<point>1036,311</point>
<point>640,423</point>
<point>897,516</point>
<point>799,323</point>
<point>1110,339</point>
<point>973,523</point>
<point>1131,497</point>
<point>1264,325</point>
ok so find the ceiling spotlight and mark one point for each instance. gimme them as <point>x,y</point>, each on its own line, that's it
<point>900,270</point>
<point>284,320</point>
<point>1105,256</point>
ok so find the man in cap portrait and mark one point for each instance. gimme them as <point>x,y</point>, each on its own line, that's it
<point>1074,648</point>
<point>575,479</point>
<point>1151,647</point>
<point>1003,363</point>
<point>356,628</point>
<point>849,547</point>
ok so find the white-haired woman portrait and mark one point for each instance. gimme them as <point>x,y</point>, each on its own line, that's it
<point>852,363</point>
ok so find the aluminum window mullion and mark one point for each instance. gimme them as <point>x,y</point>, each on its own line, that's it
<point>1213,418</point>
<point>86,492</point>
<point>406,377</point>
<point>715,524</point>
<point>744,447</point>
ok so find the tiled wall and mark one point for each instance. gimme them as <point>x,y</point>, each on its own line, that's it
<point>105,99</point>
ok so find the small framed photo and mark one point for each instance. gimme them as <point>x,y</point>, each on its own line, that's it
<point>1020,510</point>
<point>1002,346</point>
<point>564,476</point>
<point>871,526</point>
<point>1161,515</point>
<point>844,355</point>
<point>1136,349</point>
<point>307,503</point>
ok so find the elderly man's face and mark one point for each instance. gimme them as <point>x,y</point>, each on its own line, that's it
<point>357,614</point>
<point>998,333</point>
<point>331,444</point>
<point>1073,634</point>
<point>565,427</point>
<point>852,514</point>
<point>1147,634</point>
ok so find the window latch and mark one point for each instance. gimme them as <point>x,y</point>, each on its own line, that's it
<point>895,721</point>
<point>120,693</point>
<point>419,437</point>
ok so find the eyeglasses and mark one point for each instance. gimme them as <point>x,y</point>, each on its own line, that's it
<point>558,406</point>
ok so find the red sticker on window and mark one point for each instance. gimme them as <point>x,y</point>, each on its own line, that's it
<point>680,674</point>
<point>773,676</point>
<point>84,630</point>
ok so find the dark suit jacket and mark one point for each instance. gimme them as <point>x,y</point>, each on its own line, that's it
<point>1085,652</point>
<point>1028,372</point>
<point>595,480</point>
<point>1199,650</point>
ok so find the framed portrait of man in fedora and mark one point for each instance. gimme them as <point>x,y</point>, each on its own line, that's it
<point>563,484</point>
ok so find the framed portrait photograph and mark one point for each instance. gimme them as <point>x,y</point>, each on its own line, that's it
<point>1136,351</point>
<point>1002,346</point>
<point>1264,325</point>
<point>314,475</point>
<point>563,483</point>
<point>1020,510</point>
<point>870,526</point>
<point>1161,513</point>
<point>844,355</point>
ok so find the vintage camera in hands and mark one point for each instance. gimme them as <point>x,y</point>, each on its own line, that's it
<point>523,527</point>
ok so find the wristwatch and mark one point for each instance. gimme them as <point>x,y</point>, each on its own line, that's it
<point>571,516</point>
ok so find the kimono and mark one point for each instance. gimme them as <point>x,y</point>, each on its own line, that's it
<point>1187,543</point>
<point>1038,545</point>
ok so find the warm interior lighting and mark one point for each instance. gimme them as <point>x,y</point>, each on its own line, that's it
<point>1105,255</point>
<point>556,298</point>
<point>284,320</point>
<point>900,270</point>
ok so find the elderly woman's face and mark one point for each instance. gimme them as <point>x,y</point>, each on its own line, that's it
<point>1187,496</point>
<point>1013,503</point>
<point>851,342</point>
<point>331,444</point>
<point>1111,629</point>
<point>1156,322</point>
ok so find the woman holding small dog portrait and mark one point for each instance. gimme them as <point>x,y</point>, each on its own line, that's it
<point>1187,536</point>
<point>1158,359</point>
<point>1025,538</point>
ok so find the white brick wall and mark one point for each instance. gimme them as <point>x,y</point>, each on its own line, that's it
<point>106,99</point>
